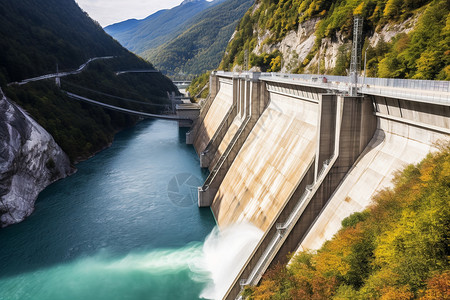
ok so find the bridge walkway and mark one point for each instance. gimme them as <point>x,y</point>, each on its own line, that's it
<point>61,74</point>
<point>124,110</point>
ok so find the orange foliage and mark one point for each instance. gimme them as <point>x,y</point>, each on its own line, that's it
<point>396,293</point>
<point>333,255</point>
<point>438,287</point>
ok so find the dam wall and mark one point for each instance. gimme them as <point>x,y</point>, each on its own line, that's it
<point>220,106</point>
<point>406,132</point>
<point>294,158</point>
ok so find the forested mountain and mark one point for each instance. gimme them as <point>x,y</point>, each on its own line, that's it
<point>403,38</point>
<point>177,44</point>
<point>158,28</point>
<point>396,249</point>
<point>37,35</point>
<point>201,45</point>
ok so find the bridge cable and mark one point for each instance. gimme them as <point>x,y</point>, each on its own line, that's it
<point>116,97</point>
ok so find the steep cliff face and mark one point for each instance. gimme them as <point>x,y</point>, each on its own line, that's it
<point>29,161</point>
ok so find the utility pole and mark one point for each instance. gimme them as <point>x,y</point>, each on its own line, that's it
<point>318,63</point>
<point>365,60</point>
<point>355,64</point>
<point>246,60</point>
<point>57,79</point>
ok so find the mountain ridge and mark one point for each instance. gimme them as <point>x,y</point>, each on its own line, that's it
<point>194,45</point>
<point>157,28</point>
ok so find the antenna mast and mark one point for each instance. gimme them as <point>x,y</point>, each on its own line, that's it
<point>246,60</point>
<point>355,64</point>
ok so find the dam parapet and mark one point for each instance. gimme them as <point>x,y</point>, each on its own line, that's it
<point>294,157</point>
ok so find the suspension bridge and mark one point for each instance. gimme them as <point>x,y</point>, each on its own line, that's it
<point>125,110</point>
<point>60,74</point>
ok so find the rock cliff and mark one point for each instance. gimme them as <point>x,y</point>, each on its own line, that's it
<point>30,160</point>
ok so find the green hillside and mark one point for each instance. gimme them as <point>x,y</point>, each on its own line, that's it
<point>422,53</point>
<point>36,36</point>
<point>201,45</point>
<point>396,249</point>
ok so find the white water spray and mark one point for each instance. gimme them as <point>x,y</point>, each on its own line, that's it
<point>224,253</point>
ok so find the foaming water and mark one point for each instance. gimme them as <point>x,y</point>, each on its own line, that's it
<point>224,254</point>
<point>159,274</point>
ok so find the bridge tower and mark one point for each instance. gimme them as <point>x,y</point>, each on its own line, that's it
<point>355,63</point>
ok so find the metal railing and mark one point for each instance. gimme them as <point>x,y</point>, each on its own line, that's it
<point>224,156</point>
<point>435,91</point>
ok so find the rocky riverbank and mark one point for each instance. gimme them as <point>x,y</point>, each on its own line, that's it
<point>30,160</point>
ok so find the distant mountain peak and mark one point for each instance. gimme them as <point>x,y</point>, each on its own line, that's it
<point>189,1</point>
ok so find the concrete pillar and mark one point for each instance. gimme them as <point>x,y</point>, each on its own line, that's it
<point>190,136</point>
<point>356,119</point>
<point>236,90</point>
<point>205,197</point>
<point>368,122</point>
<point>326,130</point>
<point>213,84</point>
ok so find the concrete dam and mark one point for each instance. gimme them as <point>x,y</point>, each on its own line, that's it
<point>294,154</point>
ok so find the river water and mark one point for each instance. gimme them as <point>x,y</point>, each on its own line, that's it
<point>125,226</point>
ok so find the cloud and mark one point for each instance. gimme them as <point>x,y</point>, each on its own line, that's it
<point>107,12</point>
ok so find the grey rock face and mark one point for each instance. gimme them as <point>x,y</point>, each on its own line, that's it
<point>30,160</point>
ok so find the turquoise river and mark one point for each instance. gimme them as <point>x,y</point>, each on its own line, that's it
<point>125,226</point>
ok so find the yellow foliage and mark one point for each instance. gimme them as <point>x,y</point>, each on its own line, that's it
<point>275,64</point>
<point>426,172</point>
<point>334,253</point>
<point>359,9</point>
<point>396,293</point>
<point>392,8</point>
<point>446,73</point>
<point>265,290</point>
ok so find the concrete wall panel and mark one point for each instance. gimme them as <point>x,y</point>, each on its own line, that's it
<point>394,146</point>
<point>216,113</point>
<point>270,164</point>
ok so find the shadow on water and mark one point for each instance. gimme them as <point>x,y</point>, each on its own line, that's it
<point>116,203</point>
<point>182,134</point>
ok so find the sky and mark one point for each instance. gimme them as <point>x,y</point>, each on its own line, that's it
<point>107,12</point>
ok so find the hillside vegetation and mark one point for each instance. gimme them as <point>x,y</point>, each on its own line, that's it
<point>199,87</point>
<point>39,34</point>
<point>396,249</point>
<point>201,45</point>
<point>422,53</point>
<point>186,40</point>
